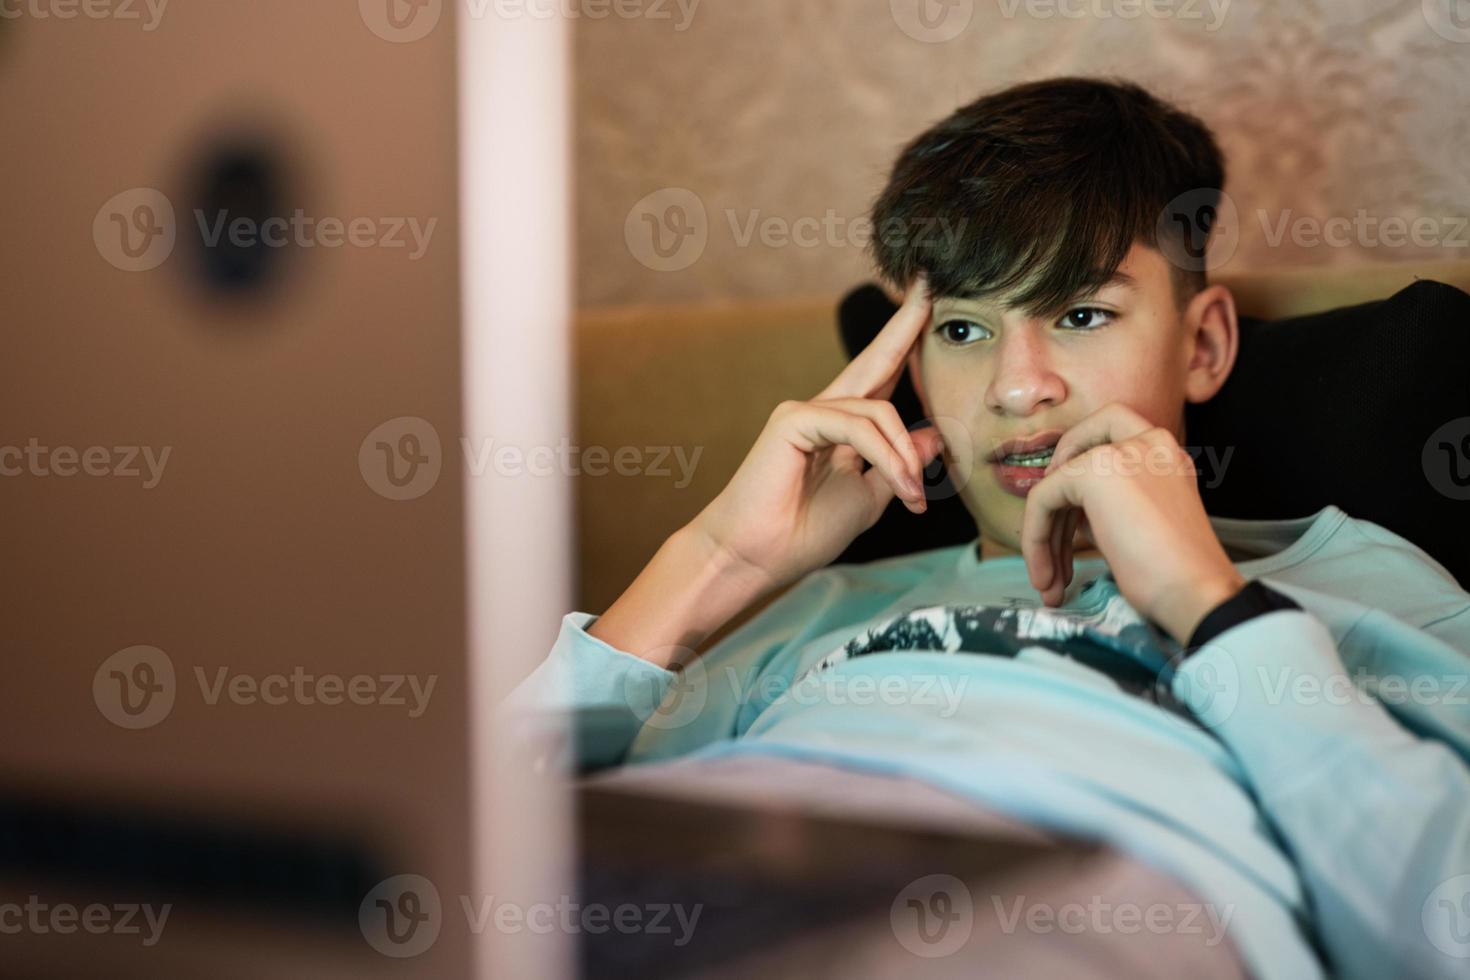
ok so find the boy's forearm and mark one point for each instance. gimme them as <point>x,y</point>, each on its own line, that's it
<point>687,591</point>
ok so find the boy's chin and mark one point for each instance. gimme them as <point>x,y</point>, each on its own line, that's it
<point>999,521</point>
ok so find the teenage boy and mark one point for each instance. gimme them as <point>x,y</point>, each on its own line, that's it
<point>1230,701</point>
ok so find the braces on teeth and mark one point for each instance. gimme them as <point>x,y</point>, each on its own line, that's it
<point>1039,458</point>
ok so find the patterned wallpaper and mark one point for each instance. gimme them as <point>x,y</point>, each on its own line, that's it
<point>730,149</point>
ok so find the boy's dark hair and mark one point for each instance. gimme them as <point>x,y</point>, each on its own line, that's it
<point>1038,191</point>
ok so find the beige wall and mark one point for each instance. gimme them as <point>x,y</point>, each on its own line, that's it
<point>790,110</point>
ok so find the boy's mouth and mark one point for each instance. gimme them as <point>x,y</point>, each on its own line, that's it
<point>1018,450</point>
<point>1020,463</point>
<point>1039,458</point>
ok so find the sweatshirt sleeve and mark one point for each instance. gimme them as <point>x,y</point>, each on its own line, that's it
<point>602,693</point>
<point>623,709</point>
<point>1375,815</point>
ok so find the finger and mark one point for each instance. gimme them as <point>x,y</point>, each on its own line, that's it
<point>880,490</point>
<point>881,362</point>
<point>886,418</point>
<point>1068,542</point>
<point>1058,588</point>
<point>814,427</point>
<point>1114,422</point>
<point>929,443</point>
<point>1043,504</point>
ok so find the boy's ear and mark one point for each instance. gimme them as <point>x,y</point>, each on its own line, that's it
<point>1212,336</point>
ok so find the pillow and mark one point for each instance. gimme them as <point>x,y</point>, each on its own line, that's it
<point>1366,407</point>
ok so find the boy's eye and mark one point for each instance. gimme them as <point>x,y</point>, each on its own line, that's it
<point>1086,318</point>
<point>960,331</point>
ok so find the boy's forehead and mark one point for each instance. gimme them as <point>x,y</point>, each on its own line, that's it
<point>1007,302</point>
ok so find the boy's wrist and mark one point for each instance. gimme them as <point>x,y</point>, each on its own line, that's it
<point>690,588</point>
<point>698,548</point>
<point>1182,613</point>
<point>1254,599</point>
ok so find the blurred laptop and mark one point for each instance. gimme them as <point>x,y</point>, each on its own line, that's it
<point>237,683</point>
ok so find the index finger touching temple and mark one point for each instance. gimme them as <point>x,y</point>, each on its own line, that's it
<point>882,360</point>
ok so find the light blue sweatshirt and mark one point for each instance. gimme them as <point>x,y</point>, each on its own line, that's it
<point>1304,773</point>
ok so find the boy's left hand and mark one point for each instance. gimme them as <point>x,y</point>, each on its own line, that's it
<point>1139,491</point>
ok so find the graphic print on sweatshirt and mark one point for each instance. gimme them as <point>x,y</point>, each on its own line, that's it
<point>1111,639</point>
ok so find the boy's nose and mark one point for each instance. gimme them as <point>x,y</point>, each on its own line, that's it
<point>1024,379</point>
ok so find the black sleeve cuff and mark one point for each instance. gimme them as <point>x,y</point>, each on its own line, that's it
<point>1256,599</point>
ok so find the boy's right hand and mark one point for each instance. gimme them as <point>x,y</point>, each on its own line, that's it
<point>795,503</point>
<point>801,495</point>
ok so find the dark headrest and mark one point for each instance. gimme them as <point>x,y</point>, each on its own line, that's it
<point>1364,407</point>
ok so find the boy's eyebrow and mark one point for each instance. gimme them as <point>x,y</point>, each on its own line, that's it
<point>1118,278</point>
